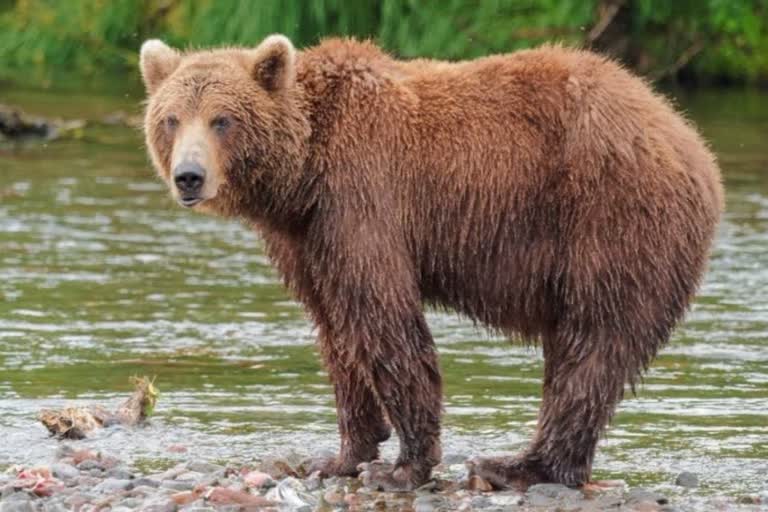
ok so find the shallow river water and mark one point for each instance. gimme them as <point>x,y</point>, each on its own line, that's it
<point>103,277</point>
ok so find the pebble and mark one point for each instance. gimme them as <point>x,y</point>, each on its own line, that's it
<point>145,482</point>
<point>644,495</point>
<point>112,485</point>
<point>258,479</point>
<point>687,479</point>
<point>203,467</point>
<point>428,503</point>
<point>178,485</point>
<point>200,486</point>
<point>64,471</point>
<point>159,504</point>
<point>17,502</point>
<point>506,500</point>
<point>119,473</point>
<point>89,464</point>
<point>131,503</point>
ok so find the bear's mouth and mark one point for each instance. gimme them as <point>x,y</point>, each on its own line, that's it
<point>189,202</point>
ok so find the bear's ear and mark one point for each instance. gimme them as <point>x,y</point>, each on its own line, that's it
<point>157,61</point>
<point>274,63</point>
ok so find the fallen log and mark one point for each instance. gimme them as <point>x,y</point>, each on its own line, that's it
<point>78,422</point>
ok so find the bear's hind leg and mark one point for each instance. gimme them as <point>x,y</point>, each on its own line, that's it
<point>584,381</point>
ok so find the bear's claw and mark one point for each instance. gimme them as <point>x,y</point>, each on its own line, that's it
<point>507,472</point>
<point>329,465</point>
<point>383,476</point>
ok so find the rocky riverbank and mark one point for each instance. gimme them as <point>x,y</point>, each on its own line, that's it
<point>15,124</point>
<point>85,480</point>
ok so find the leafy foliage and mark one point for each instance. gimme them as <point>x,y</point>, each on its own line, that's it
<point>693,39</point>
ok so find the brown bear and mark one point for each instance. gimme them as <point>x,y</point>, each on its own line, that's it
<point>547,194</point>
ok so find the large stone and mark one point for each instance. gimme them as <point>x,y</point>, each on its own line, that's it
<point>428,503</point>
<point>687,479</point>
<point>113,485</point>
<point>644,495</point>
<point>64,471</point>
<point>179,485</point>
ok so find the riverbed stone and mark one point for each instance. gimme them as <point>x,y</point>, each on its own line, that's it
<point>179,485</point>
<point>17,502</point>
<point>113,485</point>
<point>89,464</point>
<point>506,500</point>
<point>200,466</point>
<point>640,495</point>
<point>146,482</point>
<point>119,473</point>
<point>159,504</point>
<point>687,479</point>
<point>428,503</point>
<point>64,471</point>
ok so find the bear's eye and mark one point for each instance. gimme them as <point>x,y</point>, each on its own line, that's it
<point>221,123</point>
<point>171,122</point>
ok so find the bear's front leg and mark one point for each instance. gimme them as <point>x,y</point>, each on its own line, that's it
<point>404,374</point>
<point>362,425</point>
<point>368,296</point>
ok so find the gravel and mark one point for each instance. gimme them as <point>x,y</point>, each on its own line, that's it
<point>92,481</point>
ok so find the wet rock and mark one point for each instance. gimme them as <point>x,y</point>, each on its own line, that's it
<point>159,504</point>
<point>334,497</point>
<point>292,493</point>
<point>64,471</point>
<point>78,500</point>
<point>178,485</point>
<point>203,467</point>
<point>171,473</point>
<point>481,502</point>
<point>506,500</point>
<point>277,468</point>
<point>186,497</point>
<point>636,496</point>
<point>258,480</point>
<point>17,502</point>
<point>89,464</point>
<point>190,475</point>
<point>428,503</point>
<point>556,491</point>
<point>549,495</point>
<point>57,507</point>
<point>131,503</point>
<point>113,485</point>
<point>313,482</point>
<point>687,479</point>
<point>226,496</point>
<point>145,482</point>
<point>119,473</point>
<point>608,502</point>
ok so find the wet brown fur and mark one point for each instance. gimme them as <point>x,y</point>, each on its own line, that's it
<point>547,194</point>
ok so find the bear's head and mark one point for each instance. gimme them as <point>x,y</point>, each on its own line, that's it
<point>225,128</point>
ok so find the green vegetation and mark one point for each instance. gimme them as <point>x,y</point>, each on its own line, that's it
<point>691,40</point>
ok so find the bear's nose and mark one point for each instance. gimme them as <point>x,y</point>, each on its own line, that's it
<point>189,177</point>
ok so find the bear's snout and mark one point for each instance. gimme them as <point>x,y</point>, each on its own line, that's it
<point>189,178</point>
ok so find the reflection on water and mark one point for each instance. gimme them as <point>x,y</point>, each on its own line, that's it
<point>102,277</point>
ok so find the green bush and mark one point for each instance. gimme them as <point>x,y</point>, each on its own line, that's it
<point>699,40</point>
